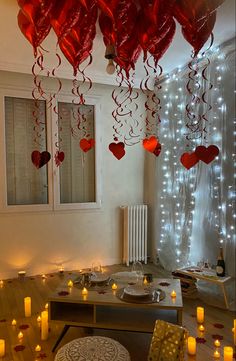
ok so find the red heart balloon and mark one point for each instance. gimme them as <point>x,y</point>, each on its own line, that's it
<point>86,144</point>
<point>40,159</point>
<point>157,150</point>
<point>150,144</point>
<point>189,160</point>
<point>118,149</point>
<point>207,155</point>
<point>59,157</point>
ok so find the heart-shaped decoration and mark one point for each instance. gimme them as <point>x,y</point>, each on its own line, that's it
<point>40,159</point>
<point>207,155</point>
<point>59,157</point>
<point>150,144</point>
<point>157,150</point>
<point>189,160</point>
<point>86,144</point>
<point>118,149</point>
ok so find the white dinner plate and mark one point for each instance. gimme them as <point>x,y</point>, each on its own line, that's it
<point>98,278</point>
<point>137,291</point>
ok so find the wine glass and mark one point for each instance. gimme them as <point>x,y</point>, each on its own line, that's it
<point>137,268</point>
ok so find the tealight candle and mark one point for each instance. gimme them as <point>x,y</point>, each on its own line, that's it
<point>173,294</point>
<point>114,286</point>
<point>201,328</point>
<point>84,291</point>
<point>145,281</point>
<point>200,314</point>
<point>20,335</point>
<point>38,348</point>
<point>228,353</point>
<point>1,283</point>
<point>61,270</point>
<point>46,306</point>
<point>217,343</point>
<point>13,322</point>
<point>44,277</point>
<point>70,283</point>
<point>21,274</point>
<point>27,302</point>
<point>39,318</point>
<point>2,348</point>
<point>216,354</point>
<point>192,346</point>
<point>44,325</point>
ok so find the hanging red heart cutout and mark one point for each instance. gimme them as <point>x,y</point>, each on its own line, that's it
<point>59,157</point>
<point>40,159</point>
<point>118,149</point>
<point>157,150</point>
<point>150,144</point>
<point>189,160</point>
<point>207,155</point>
<point>86,144</point>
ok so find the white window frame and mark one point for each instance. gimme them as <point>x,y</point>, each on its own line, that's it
<point>53,171</point>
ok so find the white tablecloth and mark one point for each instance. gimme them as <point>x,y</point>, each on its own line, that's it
<point>93,348</point>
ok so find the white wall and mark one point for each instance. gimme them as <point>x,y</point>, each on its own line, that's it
<point>40,242</point>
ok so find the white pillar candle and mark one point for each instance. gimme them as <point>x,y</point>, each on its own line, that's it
<point>44,325</point>
<point>228,353</point>
<point>200,314</point>
<point>192,346</point>
<point>27,302</point>
<point>2,348</point>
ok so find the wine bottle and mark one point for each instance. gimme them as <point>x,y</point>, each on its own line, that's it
<point>220,267</point>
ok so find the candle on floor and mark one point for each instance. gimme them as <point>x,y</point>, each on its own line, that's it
<point>201,328</point>
<point>44,325</point>
<point>13,322</point>
<point>39,318</point>
<point>114,286</point>
<point>217,343</point>
<point>200,314</point>
<point>228,353</point>
<point>70,283</point>
<point>216,354</point>
<point>2,347</point>
<point>173,294</point>
<point>192,346</point>
<point>20,335</point>
<point>84,291</point>
<point>38,348</point>
<point>27,302</point>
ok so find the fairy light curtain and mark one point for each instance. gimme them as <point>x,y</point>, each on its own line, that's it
<point>195,208</point>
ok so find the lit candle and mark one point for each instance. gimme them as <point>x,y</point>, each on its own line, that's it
<point>173,294</point>
<point>44,325</point>
<point>192,346</point>
<point>21,274</point>
<point>20,335</point>
<point>145,281</point>
<point>27,301</point>
<point>44,277</point>
<point>228,353</point>
<point>234,331</point>
<point>70,283</point>
<point>201,328</point>
<point>217,343</point>
<point>39,318</point>
<point>61,270</point>
<point>38,348</point>
<point>200,314</point>
<point>216,354</point>
<point>13,322</point>
<point>2,348</point>
<point>114,286</point>
<point>84,291</point>
<point>46,306</point>
<point>1,283</point>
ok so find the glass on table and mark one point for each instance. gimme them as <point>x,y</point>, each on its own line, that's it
<point>137,269</point>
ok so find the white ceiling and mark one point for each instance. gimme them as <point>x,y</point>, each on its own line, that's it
<point>16,53</point>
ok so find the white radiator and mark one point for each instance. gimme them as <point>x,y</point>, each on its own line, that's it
<point>135,233</point>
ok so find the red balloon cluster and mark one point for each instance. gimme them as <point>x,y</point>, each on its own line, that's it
<point>128,25</point>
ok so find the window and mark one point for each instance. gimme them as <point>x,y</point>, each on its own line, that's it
<point>28,126</point>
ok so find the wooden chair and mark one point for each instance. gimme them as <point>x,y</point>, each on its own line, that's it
<point>92,348</point>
